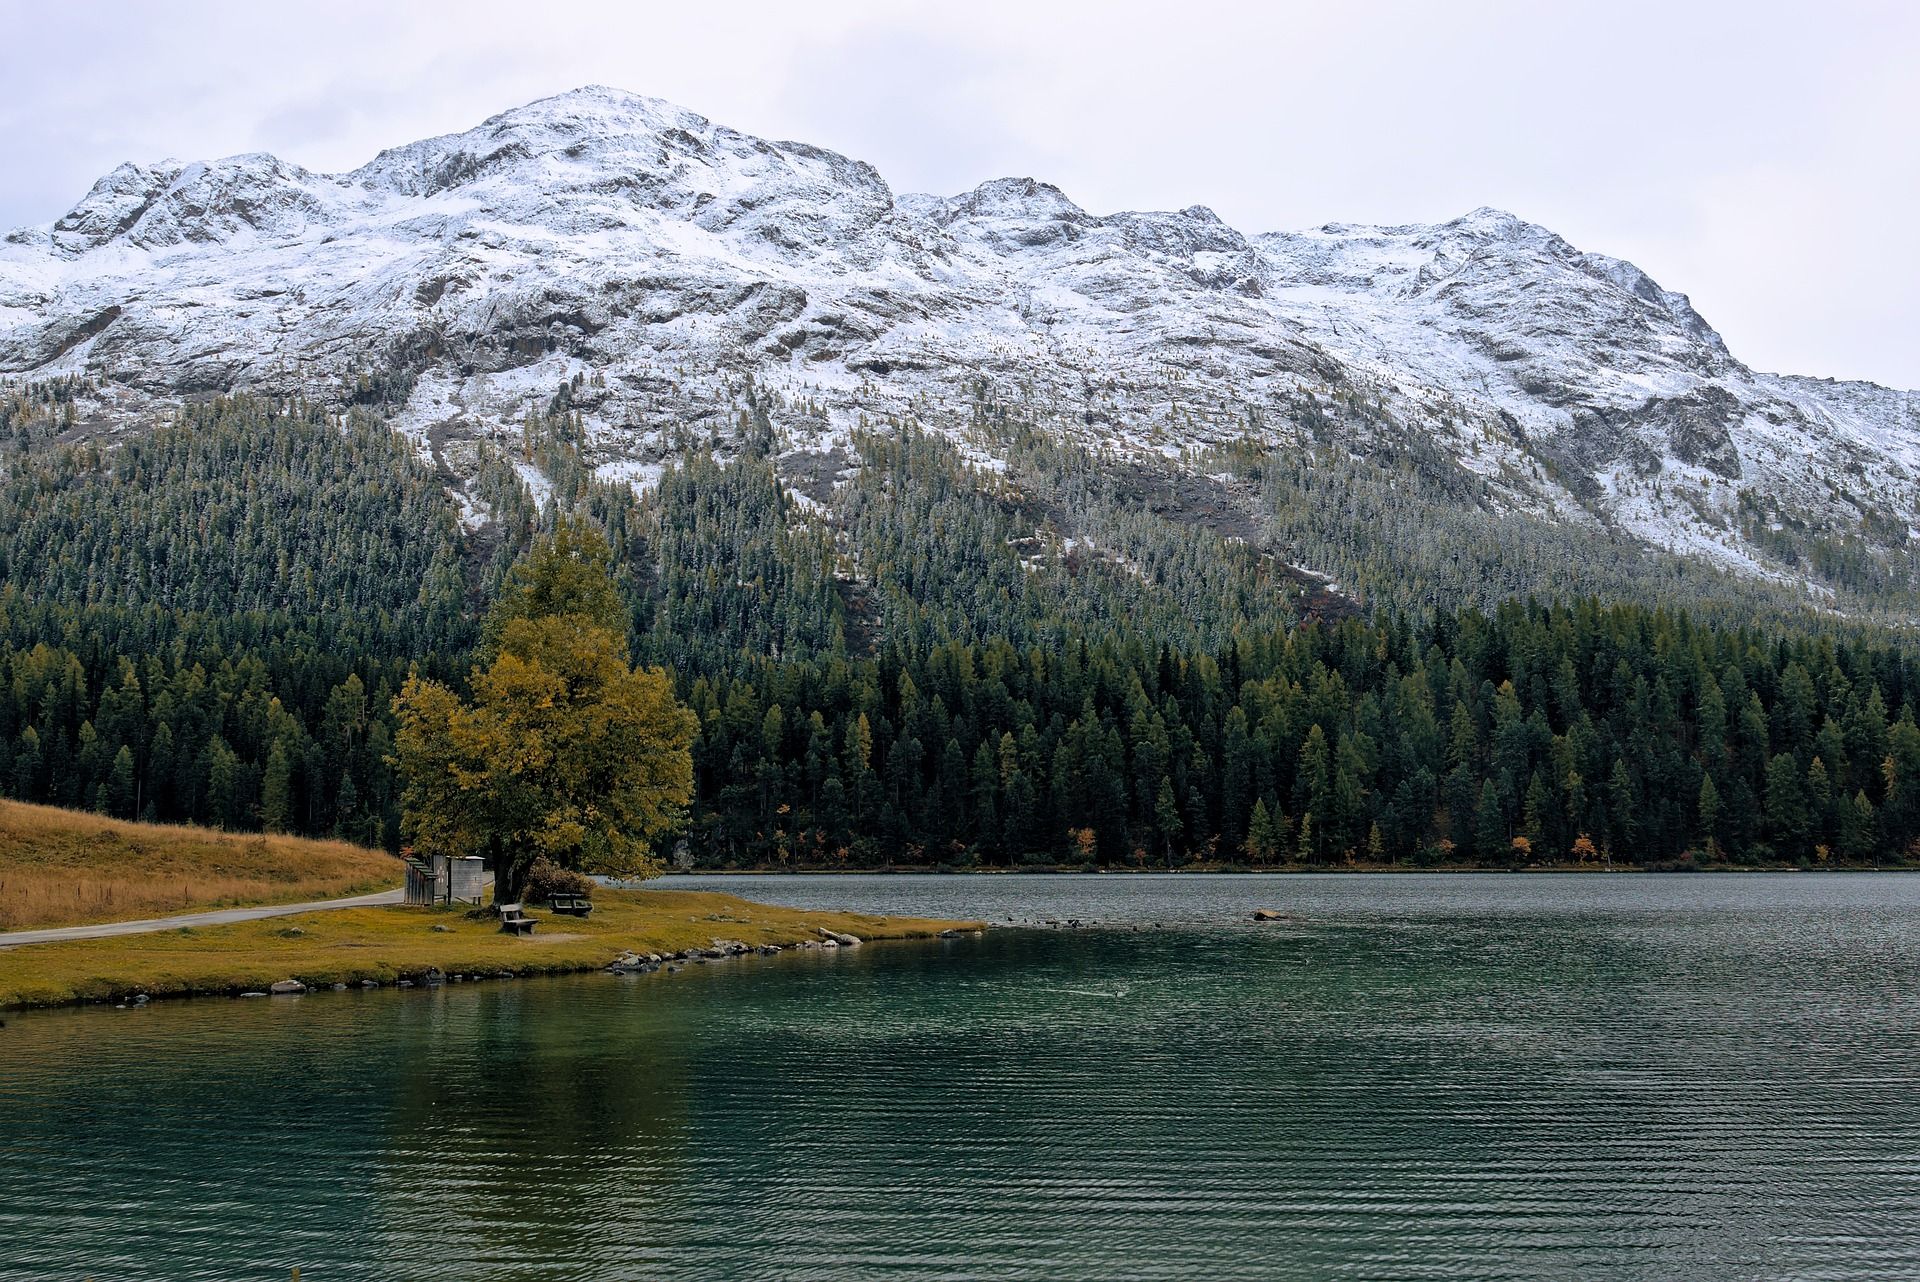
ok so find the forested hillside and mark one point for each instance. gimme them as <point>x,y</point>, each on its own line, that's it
<point>1534,735</point>
<point>1046,663</point>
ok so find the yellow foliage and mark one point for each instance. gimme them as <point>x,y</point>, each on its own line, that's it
<point>565,752</point>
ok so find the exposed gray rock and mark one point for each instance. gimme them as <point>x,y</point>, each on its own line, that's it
<point>608,233</point>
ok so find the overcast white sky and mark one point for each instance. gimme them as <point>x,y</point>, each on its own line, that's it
<point>1761,156</point>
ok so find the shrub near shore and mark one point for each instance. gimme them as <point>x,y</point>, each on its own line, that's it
<point>391,943</point>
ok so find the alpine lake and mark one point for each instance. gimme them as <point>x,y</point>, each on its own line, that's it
<point>1411,1076</point>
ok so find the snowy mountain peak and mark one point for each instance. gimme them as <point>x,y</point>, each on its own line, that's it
<point>1016,198</point>
<point>596,122</point>
<point>114,205</point>
<point>605,231</point>
<point>1496,223</point>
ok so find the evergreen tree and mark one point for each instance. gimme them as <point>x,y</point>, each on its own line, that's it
<point>1787,818</point>
<point>276,791</point>
<point>1708,809</point>
<point>1264,838</point>
<point>121,791</point>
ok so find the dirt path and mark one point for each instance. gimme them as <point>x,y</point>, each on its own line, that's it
<point>217,917</point>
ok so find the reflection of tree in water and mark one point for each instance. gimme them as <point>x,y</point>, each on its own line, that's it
<point>533,1124</point>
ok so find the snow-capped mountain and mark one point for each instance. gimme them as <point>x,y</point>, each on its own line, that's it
<point>617,235</point>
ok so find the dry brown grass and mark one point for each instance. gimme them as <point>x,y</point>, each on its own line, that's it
<point>65,867</point>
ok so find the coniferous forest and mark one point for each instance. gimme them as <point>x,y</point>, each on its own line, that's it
<point>209,623</point>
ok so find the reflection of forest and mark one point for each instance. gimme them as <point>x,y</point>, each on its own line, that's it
<point>1485,1077</point>
<point>474,1121</point>
<point>530,1121</point>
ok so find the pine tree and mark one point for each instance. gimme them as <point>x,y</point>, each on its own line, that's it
<point>121,791</point>
<point>346,812</point>
<point>1166,816</point>
<point>1263,838</point>
<point>276,791</point>
<point>1236,778</point>
<point>226,795</point>
<point>1489,825</point>
<point>1708,810</point>
<point>1623,810</point>
<point>1786,802</point>
<point>1819,795</point>
<point>1858,840</point>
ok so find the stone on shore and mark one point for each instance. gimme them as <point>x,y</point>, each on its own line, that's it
<point>286,986</point>
<point>840,938</point>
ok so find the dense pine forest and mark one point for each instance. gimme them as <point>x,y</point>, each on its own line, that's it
<point>208,622</point>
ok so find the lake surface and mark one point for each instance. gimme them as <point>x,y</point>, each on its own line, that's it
<point>1421,1077</point>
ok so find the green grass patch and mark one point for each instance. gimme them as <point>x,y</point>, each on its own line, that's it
<point>390,943</point>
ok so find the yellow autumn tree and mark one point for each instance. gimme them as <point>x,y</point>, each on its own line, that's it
<point>565,751</point>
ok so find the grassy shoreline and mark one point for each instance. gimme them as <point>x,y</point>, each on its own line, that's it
<point>388,944</point>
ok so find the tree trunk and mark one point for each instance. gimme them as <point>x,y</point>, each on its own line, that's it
<point>510,881</point>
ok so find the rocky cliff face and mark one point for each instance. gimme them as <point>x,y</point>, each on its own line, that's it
<point>680,261</point>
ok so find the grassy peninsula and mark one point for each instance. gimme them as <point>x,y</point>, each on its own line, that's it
<point>388,944</point>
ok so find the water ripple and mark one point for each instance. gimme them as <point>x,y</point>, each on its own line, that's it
<point>1418,1078</point>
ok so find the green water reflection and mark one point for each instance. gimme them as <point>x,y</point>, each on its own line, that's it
<point>1656,1078</point>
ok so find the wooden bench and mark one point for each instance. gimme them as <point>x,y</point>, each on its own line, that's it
<point>570,905</point>
<point>514,920</point>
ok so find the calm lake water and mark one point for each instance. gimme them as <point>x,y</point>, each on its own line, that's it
<point>1420,1077</point>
